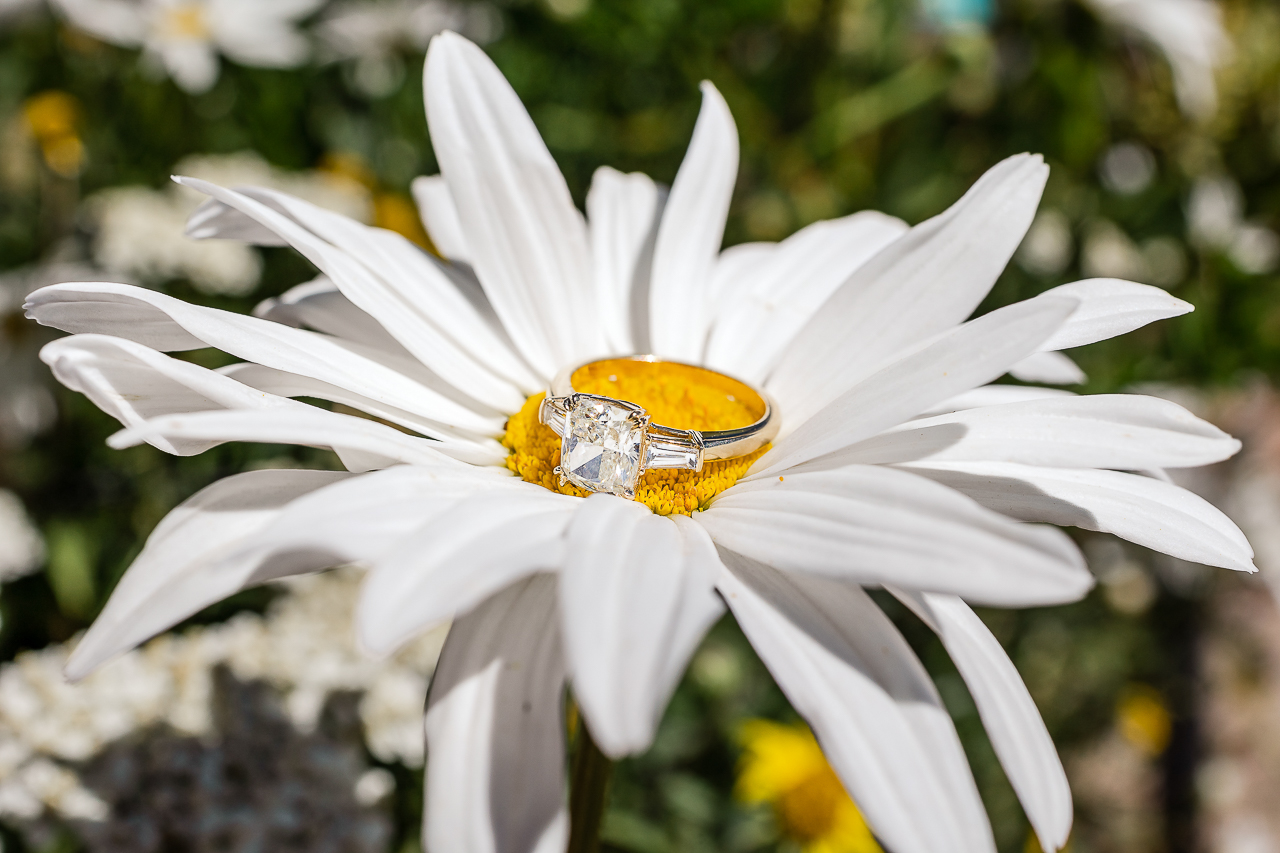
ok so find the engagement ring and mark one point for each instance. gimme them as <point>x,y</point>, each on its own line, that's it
<point>606,443</point>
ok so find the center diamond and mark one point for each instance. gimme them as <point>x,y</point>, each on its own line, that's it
<point>602,448</point>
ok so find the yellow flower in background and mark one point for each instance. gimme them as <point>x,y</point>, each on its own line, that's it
<point>391,210</point>
<point>396,212</point>
<point>783,766</point>
<point>1144,720</point>
<point>53,118</point>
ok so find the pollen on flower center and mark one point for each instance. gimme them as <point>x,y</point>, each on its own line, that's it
<point>186,21</point>
<point>674,395</point>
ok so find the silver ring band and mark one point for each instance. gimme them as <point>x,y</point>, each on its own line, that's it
<point>606,443</point>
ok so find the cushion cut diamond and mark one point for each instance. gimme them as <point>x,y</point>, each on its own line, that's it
<point>602,447</point>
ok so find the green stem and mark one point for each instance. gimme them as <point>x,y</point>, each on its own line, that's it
<point>587,793</point>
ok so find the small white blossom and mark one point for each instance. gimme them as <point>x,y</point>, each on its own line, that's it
<point>375,28</point>
<point>1215,220</point>
<point>304,646</point>
<point>21,546</point>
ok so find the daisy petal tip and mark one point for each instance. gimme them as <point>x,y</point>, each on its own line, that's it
<point>87,657</point>
<point>618,745</point>
<point>374,639</point>
<point>131,437</point>
<point>450,41</point>
<point>74,670</point>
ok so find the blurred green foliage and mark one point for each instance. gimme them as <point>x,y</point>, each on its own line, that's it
<point>841,105</point>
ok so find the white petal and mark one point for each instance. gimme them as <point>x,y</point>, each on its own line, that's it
<point>361,519</point>
<point>495,729</point>
<point>1012,720</point>
<point>930,279</point>
<point>1111,307</point>
<point>165,323</point>
<point>440,216</point>
<point>1150,512</point>
<point>279,383</point>
<point>690,233</point>
<point>319,304</point>
<point>445,295</point>
<point>214,220</point>
<point>994,395</point>
<point>851,675</point>
<point>1051,368</point>
<point>183,568</point>
<point>133,383</point>
<point>735,271</point>
<point>622,212</point>
<point>873,525</point>
<point>636,597</point>
<point>760,321</point>
<point>193,64</point>
<point>1124,431</point>
<point>362,444</point>
<point>114,21</point>
<point>528,242</point>
<point>959,360</point>
<point>398,284</point>
<point>458,559</point>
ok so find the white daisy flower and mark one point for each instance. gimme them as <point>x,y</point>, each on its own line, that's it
<point>360,29</point>
<point>898,464</point>
<point>185,36</point>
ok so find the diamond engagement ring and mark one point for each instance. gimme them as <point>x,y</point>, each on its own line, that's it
<point>606,444</point>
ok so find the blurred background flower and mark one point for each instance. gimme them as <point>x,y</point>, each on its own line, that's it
<point>783,767</point>
<point>183,38</point>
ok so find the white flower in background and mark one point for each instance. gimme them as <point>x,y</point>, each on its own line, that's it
<point>1190,35</point>
<point>304,646</point>
<point>373,33</point>
<point>1109,252</point>
<point>899,465</point>
<point>27,405</point>
<point>140,230</point>
<point>1127,168</point>
<point>21,546</point>
<point>1215,220</point>
<point>185,36</point>
<point>1048,247</point>
<point>13,10</point>
<point>1215,211</point>
<point>375,28</point>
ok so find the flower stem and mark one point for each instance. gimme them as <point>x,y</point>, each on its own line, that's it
<point>587,793</point>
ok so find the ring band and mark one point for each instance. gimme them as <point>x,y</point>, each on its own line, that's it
<point>606,443</point>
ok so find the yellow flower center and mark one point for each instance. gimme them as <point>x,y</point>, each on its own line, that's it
<point>674,395</point>
<point>186,21</point>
